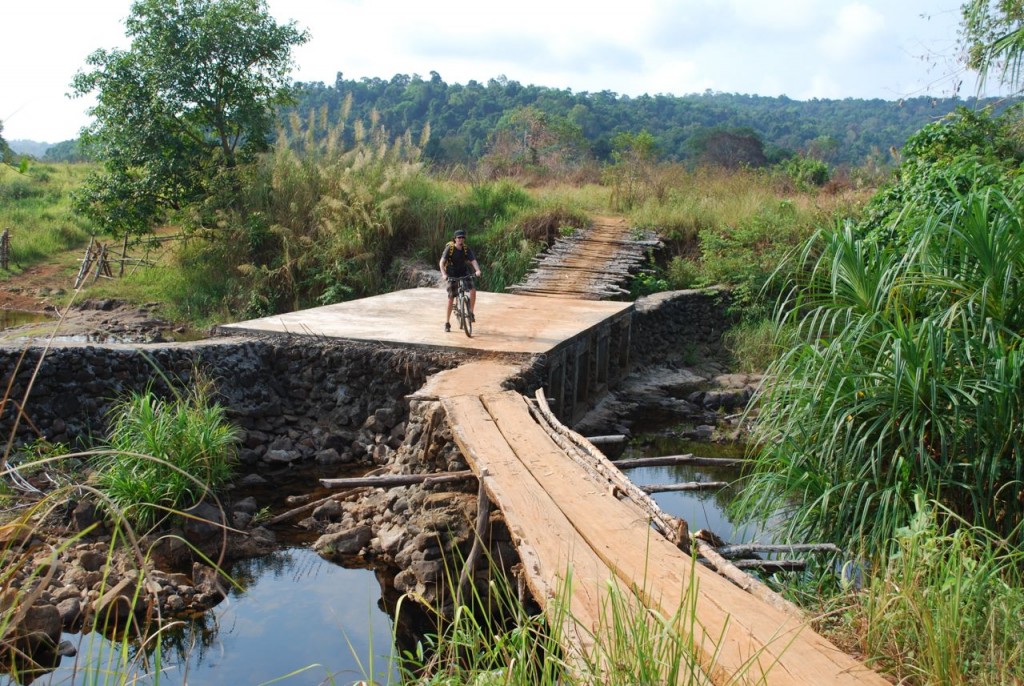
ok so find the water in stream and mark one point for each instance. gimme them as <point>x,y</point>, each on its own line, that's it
<point>313,622</point>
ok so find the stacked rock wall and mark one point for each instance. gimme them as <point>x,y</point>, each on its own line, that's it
<point>295,399</point>
<point>680,327</point>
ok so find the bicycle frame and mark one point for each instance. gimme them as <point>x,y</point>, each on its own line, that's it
<point>461,304</point>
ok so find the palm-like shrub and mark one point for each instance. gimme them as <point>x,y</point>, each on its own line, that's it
<point>165,454</point>
<point>906,377</point>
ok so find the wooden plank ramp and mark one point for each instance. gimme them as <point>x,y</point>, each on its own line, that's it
<point>589,264</point>
<point>577,542</point>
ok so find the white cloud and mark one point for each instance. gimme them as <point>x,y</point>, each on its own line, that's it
<point>856,31</point>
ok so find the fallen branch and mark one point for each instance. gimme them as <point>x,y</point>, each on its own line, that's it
<point>365,482</point>
<point>744,580</point>
<point>613,439</point>
<point>483,512</point>
<point>394,480</point>
<point>686,486</point>
<point>665,460</point>
<point>787,565</point>
<point>301,509</point>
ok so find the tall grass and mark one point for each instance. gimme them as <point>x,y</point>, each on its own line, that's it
<point>35,206</point>
<point>908,376</point>
<point>946,608</point>
<point>494,637</point>
<point>165,455</point>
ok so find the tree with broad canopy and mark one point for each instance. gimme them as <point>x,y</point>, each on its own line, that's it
<point>192,97</point>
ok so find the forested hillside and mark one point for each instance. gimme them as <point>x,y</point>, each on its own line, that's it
<point>464,118</point>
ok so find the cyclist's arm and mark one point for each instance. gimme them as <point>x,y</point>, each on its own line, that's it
<point>441,265</point>
<point>476,267</point>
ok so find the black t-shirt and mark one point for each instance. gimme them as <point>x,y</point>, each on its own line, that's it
<point>457,259</point>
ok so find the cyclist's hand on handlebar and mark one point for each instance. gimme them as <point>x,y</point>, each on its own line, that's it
<point>478,272</point>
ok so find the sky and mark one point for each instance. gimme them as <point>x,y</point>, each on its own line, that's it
<point>802,49</point>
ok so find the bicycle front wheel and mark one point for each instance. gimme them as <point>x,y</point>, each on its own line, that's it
<point>467,318</point>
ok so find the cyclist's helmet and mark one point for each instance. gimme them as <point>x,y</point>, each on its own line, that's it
<point>460,234</point>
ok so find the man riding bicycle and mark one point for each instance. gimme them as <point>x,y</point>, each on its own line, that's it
<point>455,263</point>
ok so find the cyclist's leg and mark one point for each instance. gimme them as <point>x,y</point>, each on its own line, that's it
<point>472,302</point>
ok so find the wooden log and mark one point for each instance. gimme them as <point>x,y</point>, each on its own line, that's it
<point>86,263</point>
<point>483,513</point>
<point>750,548</point>
<point>394,480</point>
<point>613,439</point>
<point>296,511</point>
<point>686,486</point>
<point>786,565</point>
<point>124,255</point>
<point>666,460</point>
<point>744,580</point>
<point>675,529</point>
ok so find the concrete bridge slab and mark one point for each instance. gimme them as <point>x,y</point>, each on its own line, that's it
<point>415,317</point>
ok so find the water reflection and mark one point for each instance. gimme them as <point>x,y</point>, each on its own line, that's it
<point>11,318</point>
<point>701,509</point>
<point>296,616</point>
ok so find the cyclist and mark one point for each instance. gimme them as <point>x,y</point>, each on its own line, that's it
<point>455,262</point>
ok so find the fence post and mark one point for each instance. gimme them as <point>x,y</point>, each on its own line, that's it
<point>124,254</point>
<point>5,249</point>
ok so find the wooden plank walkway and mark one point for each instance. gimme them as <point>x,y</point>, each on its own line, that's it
<point>591,264</point>
<point>565,523</point>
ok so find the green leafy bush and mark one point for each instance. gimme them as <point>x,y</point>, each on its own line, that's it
<point>806,172</point>
<point>946,607</point>
<point>966,150</point>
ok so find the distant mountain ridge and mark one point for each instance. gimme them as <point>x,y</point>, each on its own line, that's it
<point>462,118</point>
<point>26,147</point>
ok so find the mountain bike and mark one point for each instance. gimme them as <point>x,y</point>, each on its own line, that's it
<point>461,304</point>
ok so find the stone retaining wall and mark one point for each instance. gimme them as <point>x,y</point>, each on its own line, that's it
<point>680,327</point>
<point>295,399</point>
<point>300,398</point>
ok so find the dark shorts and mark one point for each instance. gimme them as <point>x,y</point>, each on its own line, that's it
<point>453,286</point>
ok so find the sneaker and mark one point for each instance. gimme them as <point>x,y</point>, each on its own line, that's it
<point>472,317</point>
<point>447,327</point>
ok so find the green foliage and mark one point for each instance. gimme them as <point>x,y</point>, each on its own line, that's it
<point>165,455</point>
<point>192,97</point>
<point>992,36</point>
<point>908,376</point>
<point>66,151</point>
<point>464,117</point>
<point>529,140</point>
<point>746,255</point>
<point>755,343</point>
<point>943,160</point>
<point>729,149</point>
<point>682,273</point>
<point>647,281</point>
<point>319,221</point>
<point>6,154</point>
<point>806,172</point>
<point>946,606</point>
<point>629,175</point>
